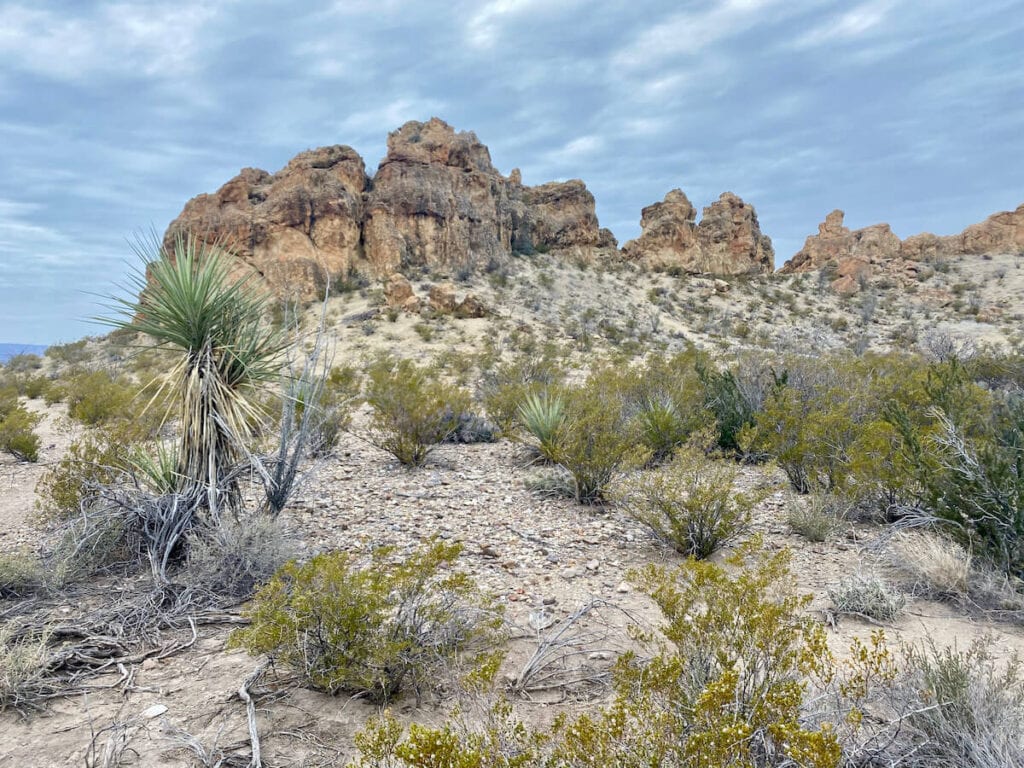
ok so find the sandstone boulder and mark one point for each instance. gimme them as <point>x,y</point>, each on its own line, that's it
<point>398,292</point>
<point>442,298</point>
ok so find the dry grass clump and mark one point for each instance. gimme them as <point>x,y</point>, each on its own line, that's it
<point>820,518</point>
<point>931,565</point>
<point>868,597</point>
<point>235,557</point>
<point>21,575</point>
<point>24,664</point>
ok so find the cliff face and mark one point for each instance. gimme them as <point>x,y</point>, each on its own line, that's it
<point>435,202</point>
<point>727,241</point>
<point>855,255</point>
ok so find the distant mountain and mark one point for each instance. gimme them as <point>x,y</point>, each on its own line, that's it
<point>7,351</point>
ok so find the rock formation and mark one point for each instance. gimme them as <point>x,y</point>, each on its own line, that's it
<point>727,241</point>
<point>436,202</point>
<point>856,255</point>
<point>297,228</point>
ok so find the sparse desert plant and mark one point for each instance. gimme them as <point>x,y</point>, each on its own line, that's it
<point>21,574</point>
<point>931,564</point>
<point>413,409</point>
<point>24,669</point>
<point>17,436</point>
<point>966,707</point>
<point>868,596</point>
<point>189,303</point>
<point>543,414</point>
<point>689,504</point>
<point>373,630</point>
<point>235,557</point>
<point>818,518</point>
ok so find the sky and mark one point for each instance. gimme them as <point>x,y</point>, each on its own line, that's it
<point>114,114</point>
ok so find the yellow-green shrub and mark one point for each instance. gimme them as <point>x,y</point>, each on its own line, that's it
<point>16,435</point>
<point>373,630</point>
<point>98,397</point>
<point>413,408</point>
<point>689,504</point>
<point>93,461</point>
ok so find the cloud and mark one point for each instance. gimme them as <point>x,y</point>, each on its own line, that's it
<point>854,24</point>
<point>112,39</point>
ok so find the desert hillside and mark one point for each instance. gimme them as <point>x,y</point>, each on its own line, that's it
<point>542,500</point>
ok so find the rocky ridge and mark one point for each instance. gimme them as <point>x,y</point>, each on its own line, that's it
<point>436,202</point>
<point>854,256</point>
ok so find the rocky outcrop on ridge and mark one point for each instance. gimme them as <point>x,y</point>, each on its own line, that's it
<point>436,202</point>
<point>727,241</point>
<point>856,255</point>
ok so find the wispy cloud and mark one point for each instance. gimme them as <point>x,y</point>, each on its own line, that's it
<point>861,20</point>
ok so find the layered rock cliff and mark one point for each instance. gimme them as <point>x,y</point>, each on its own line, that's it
<point>727,241</point>
<point>856,255</point>
<point>435,202</point>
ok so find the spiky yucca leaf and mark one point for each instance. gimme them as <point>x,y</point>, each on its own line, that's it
<point>188,300</point>
<point>543,414</point>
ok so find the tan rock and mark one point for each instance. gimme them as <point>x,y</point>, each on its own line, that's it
<point>470,307</point>
<point>875,250</point>
<point>398,291</point>
<point>299,228</point>
<point>442,298</point>
<point>727,241</point>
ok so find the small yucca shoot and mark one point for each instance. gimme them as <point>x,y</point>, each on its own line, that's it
<point>543,414</point>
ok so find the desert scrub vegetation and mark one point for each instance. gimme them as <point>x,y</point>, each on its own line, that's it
<point>542,415</point>
<point>413,408</point>
<point>506,386</point>
<point>745,679</point>
<point>818,518</point>
<point>689,504</point>
<point>867,596</point>
<point>17,425</point>
<point>377,628</point>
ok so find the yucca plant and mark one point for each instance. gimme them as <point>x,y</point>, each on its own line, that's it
<point>190,301</point>
<point>543,414</point>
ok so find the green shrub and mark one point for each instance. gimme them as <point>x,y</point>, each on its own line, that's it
<point>661,428</point>
<point>92,462</point>
<point>732,409</point>
<point>729,687</point>
<point>98,397</point>
<point>542,414</point>
<point>689,504</point>
<point>16,435</point>
<point>26,362</point>
<point>374,630</point>
<point>505,387</point>
<point>594,442</point>
<point>413,410</point>
<point>72,353</point>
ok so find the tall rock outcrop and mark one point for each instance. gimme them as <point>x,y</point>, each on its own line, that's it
<point>856,255</point>
<point>727,241</point>
<point>436,202</point>
<point>297,228</point>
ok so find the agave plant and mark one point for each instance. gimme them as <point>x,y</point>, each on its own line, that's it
<point>190,301</point>
<point>542,414</point>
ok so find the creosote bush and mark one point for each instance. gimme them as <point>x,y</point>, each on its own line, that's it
<point>16,433</point>
<point>413,409</point>
<point>373,630</point>
<point>689,504</point>
<point>730,685</point>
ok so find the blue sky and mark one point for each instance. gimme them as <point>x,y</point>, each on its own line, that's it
<point>113,114</point>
